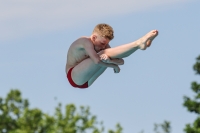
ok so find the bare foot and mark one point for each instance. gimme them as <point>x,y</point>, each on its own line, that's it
<point>146,40</point>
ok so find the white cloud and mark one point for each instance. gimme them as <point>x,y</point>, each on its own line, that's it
<point>20,18</point>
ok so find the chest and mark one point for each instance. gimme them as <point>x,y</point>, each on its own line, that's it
<point>80,54</point>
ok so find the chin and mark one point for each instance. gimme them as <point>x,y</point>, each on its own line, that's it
<point>97,50</point>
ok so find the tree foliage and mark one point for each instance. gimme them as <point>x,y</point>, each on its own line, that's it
<point>193,104</point>
<point>162,128</point>
<point>17,117</point>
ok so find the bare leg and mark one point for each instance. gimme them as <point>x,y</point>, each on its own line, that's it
<point>126,50</point>
<point>84,71</point>
<point>88,71</point>
<point>96,75</point>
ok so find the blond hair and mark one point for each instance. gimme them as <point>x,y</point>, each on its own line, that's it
<point>104,30</point>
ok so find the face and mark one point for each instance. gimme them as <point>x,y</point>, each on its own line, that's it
<point>100,42</point>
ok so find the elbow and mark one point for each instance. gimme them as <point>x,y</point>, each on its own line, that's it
<point>121,62</point>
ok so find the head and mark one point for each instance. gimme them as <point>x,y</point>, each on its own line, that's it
<point>101,36</point>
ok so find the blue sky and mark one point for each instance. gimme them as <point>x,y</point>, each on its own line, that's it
<point>35,37</point>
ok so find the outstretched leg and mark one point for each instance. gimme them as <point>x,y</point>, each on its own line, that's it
<point>126,50</point>
<point>88,71</point>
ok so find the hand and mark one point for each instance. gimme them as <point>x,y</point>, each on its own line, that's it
<point>117,69</point>
<point>104,58</point>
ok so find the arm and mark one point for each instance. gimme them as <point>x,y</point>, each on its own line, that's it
<point>89,48</point>
<point>106,59</point>
<point>116,61</point>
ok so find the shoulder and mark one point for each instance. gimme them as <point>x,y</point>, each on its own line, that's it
<point>81,42</point>
<point>85,41</point>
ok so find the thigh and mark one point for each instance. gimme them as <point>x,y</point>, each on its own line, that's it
<point>96,75</point>
<point>84,71</point>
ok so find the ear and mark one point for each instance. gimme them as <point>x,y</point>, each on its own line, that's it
<point>94,37</point>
